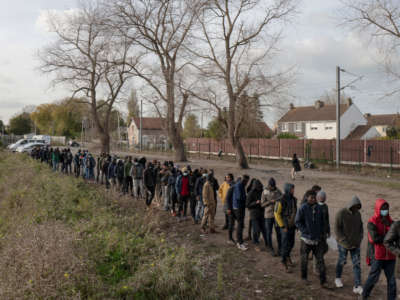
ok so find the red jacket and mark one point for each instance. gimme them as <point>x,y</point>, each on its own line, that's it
<point>376,234</point>
<point>185,186</point>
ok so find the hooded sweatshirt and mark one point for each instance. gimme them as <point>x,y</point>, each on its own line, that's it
<point>269,198</point>
<point>378,227</point>
<point>286,208</point>
<point>256,211</point>
<point>348,226</point>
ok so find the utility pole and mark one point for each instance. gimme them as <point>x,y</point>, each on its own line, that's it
<point>81,132</point>
<point>140,130</point>
<point>338,117</point>
<point>119,130</point>
<point>202,124</point>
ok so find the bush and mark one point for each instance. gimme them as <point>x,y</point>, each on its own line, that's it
<point>62,238</point>
<point>287,135</point>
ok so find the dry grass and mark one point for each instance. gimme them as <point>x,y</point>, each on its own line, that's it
<point>63,239</point>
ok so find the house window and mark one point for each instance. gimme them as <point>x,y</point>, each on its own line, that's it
<point>328,128</point>
<point>285,127</point>
<point>314,128</point>
<point>384,129</point>
<point>298,127</point>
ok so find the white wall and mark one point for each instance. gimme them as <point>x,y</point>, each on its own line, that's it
<point>321,132</point>
<point>350,120</point>
<point>382,130</point>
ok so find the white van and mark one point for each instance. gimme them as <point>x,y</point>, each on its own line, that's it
<point>23,142</point>
<point>45,138</point>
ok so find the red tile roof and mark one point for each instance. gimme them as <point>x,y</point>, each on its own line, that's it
<point>388,119</point>
<point>150,123</point>
<point>310,113</point>
<point>358,132</point>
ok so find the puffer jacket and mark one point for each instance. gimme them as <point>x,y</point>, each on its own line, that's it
<point>378,227</point>
<point>286,208</point>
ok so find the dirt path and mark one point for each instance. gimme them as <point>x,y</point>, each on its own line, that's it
<point>260,266</point>
<point>340,188</point>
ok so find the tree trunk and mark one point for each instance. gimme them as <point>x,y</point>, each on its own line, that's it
<point>105,141</point>
<point>240,155</point>
<point>179,147</point>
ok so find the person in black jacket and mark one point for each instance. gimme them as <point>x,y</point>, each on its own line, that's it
<point>310,222</point>
<point>253,203</point>
<point>149,182</point>
<point>296,166</point>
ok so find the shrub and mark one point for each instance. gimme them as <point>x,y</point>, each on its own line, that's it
<point>287,135</point>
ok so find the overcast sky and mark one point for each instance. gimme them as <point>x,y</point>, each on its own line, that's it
<point>313,42</point>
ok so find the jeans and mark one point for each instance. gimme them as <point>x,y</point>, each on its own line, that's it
<point>388,267</point>
<point>199,210</point>
<point>287,243</point>
<point>55,166</point>
<point>138,188</point>
<point>318,252</point>
<point>269,226</point>
<point>238,216</point>
<point>259,227</point>
<point>165,196</point>
<point>150,191</point>
<point>355,258</point>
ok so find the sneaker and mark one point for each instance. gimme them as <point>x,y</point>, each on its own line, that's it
<point>285,268</point>
<point>358,290</point>
<point>242,247</point>
<point>338,283</point>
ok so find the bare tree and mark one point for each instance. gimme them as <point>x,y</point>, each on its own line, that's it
<point>91,59</point>
<point>161,28</point>
<point>380,21</point>
<point>240,41</point>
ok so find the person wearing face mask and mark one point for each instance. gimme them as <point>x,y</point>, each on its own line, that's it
<point>349,234</point>
<point>310,222</point>
<point>378,256</point>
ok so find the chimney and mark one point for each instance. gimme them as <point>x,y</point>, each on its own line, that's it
<point>318,104</point>
<point>349,101</point>
<point>291,106</point>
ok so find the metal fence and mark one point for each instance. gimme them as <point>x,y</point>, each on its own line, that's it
<point>372,152</point>
<point>6,140</point>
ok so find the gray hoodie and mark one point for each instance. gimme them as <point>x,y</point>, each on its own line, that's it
<point>348,226</point>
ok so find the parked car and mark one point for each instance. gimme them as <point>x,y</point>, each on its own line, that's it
<point>21,142</point>
<point>27,148</point>
<point>72,143</point>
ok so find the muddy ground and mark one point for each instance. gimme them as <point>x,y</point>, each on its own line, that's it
<point>260,275</point>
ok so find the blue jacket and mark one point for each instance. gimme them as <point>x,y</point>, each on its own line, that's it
<point>238,196</point>
<point>310,221</point>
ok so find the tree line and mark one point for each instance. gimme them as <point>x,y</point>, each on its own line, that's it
<point>216,55</point>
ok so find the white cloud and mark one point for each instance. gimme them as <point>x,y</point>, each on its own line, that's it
<point>42,23</point>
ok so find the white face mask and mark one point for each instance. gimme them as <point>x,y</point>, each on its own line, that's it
<point>204,175</point>
<point>321,203</point>
<point>185,174</point>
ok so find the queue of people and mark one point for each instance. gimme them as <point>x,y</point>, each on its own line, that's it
<point>187,193</point>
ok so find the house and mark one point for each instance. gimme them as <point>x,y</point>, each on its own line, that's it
<point>319,121</point>
<point>376,127</point>
<point>153,132</point>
